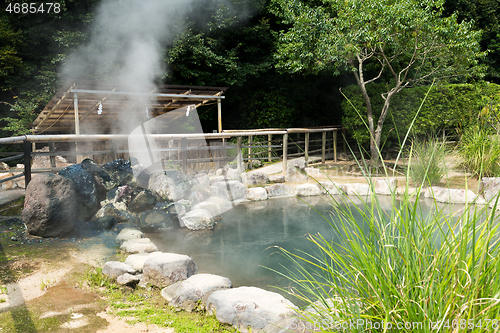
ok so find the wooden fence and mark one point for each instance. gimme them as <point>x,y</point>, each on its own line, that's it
<point>203,151</point>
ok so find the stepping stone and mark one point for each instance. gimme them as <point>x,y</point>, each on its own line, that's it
<point>137,260</point>
<point>188,293</point>
<point>245,307</point>
<point>128,234</point>
<point>164,269</point>
<point>113,269</point>
<point>140,245</point>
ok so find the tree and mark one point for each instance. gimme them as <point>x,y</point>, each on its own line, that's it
<point>406,42</point>
<point>486,16</point>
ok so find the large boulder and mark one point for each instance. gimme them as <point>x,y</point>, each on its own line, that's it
<point>201,182</point>
<point>121,172</point>
<point>113,269</point>
<point>256,178</point>
<point>276,178</point>
<point>170,185</point>
<point>450,195</point>
<point>139,245</point>
<point>213,208</point>
<point>246,307</point>
<point>153,220</point>
<point>357,189</point>
<point>489,188</point>
<point>128,234</point>
<point>279,190</point>
<point>307,190</point>
<point>331,188</point>
<point>102,177</point>
<point>229,189</point>
<point>50,206</point>
<point>116,209</point>
<point>197,219</point>
<point>86,190</point>
<point>385,185</point>
<point>296,171</point>
<point>162,270</point>
<point>137,260</point>
<point>189,293</point>
<point>257,194</point>
<point>144,200</point>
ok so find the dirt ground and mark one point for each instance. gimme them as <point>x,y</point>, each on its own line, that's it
<point>41,281</point>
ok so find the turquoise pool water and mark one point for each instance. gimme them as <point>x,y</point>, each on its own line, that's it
<point>245,239</point>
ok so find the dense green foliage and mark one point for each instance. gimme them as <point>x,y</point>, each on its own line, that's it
<point>485,14</point>
<point>447,107</point>
<point>233,43</point>
<point>406,42</point>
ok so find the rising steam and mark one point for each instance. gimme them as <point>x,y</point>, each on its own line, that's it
<point>126,48</point>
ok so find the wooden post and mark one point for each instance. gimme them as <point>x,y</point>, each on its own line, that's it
<point>306,148</point>
<point>239,155</point>
<point>298,144</point>
<point>77,126</point>
<point>285,152</point>
<point>323,147</point>
<point>250,140</point>
<point>219,115</point>
<point>27,162</point>
<point>335,146</point>
<point>344,149</point>
<point>184,155</point>
<point>170,152</point>
<point>52,149</point>
<point>269,149</point>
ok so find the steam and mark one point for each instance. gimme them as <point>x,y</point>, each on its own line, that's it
<point>127,43</point>
<point>126,49</point>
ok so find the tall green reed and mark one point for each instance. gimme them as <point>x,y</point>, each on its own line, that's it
<point>400,268</point>
<point>480,152</point>
<point>428,167</point>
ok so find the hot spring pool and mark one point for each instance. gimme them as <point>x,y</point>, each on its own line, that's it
<point>243,242</point>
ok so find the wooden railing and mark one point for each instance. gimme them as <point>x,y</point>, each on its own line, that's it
<point>182,149</point>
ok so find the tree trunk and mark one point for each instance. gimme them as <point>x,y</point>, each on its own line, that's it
<point>380,123</point>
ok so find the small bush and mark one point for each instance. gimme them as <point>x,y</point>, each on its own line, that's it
<point>480,152</point>
<point>427,164</point>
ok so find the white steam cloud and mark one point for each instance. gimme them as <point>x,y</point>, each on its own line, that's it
<point>126,48</point>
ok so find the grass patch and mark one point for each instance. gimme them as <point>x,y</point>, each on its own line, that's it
<point>148,306</point>
<point>480,152</point>
<point>427,166</point>
<point>13,208</point>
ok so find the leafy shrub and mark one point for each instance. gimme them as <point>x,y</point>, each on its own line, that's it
<point>480,151</point>
<point>454,106</point>
<point>427,164</point>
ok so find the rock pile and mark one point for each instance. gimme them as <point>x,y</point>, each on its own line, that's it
<point>104,195</point>
<point>184,288</point>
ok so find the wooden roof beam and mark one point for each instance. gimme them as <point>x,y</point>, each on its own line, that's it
<point>55,106</point>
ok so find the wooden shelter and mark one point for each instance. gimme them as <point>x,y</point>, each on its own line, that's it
<point>95,105</point>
